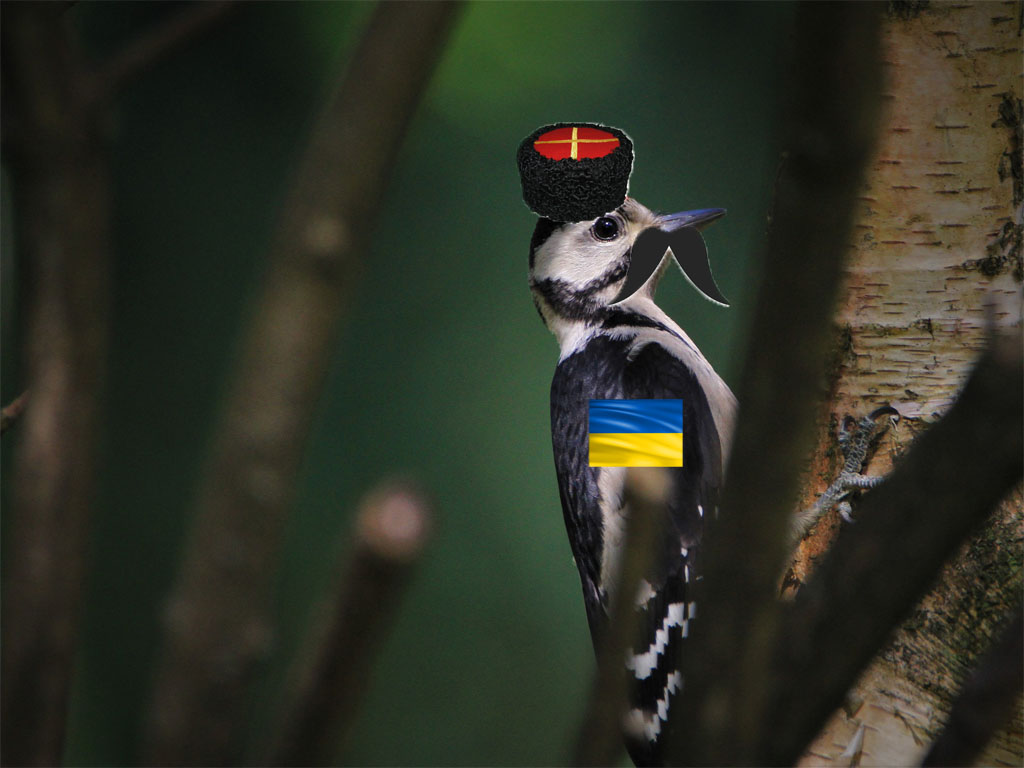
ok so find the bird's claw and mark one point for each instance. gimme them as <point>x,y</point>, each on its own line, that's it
<point>855,440</point>
<point>845,511</point>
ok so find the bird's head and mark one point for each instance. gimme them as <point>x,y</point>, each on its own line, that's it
<point>579,269</point>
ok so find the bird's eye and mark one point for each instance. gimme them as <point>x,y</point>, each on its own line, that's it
<point>605,228</point>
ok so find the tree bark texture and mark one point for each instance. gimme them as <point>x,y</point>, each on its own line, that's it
<point>937,239</point>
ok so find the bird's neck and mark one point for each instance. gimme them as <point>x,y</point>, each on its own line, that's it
<point>571,332</point>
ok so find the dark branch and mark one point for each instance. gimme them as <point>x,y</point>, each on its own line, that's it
<point>218,625</point>
<point>947,483</point>
<point>392,528</point>
<point>830,124</point>
<point>157,44</point>
<point>12,411</point>
<point>985,702</point>
<point>600,737</point>
<point>61,191</point>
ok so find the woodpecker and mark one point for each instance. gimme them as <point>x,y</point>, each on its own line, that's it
<point>625,350</point>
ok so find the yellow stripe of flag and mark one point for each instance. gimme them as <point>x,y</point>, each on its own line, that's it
<point>636,449</point>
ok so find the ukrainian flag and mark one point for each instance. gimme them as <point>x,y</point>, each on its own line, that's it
<point>636,433</point>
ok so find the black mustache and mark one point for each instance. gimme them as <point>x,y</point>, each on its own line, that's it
<point>690,251</point>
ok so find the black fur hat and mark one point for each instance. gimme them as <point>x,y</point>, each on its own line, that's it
<point>575,171</point>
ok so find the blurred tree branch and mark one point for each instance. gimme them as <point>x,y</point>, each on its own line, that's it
<point>12,411</point>
<point>762,677</point>
<point>61,201</point>
<point>599,741</point>
<point>157,44</point>
<point>217,626</point>
<point>828,140</point>
<point>393,526</point>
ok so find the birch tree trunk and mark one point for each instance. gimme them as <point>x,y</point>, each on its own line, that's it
<point>938,237</point>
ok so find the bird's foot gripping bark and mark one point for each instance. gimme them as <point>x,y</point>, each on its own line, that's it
<point>855,441</point>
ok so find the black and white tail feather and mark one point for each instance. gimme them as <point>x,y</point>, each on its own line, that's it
<point>629,350</point>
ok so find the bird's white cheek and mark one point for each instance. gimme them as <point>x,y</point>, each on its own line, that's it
<point>583,270</point>
<point>578,267</point>
<point>575,271</point>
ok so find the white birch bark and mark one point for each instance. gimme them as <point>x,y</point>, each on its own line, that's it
<point>938,237</point>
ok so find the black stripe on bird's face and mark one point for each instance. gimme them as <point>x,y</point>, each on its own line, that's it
<point>581,303</point>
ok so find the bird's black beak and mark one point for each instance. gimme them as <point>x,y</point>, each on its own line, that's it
<point>699,219</point>
<point>681,233</point>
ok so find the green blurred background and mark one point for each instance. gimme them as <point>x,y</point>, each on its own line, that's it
<point>442,366</point>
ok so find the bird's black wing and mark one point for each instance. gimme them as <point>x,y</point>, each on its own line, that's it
<point>654,372</point>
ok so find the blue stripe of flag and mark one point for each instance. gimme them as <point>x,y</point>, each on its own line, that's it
<point>644,416</point>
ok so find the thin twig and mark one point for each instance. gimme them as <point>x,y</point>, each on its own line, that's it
<point>218,624</point>
<point>600,737</point>
<point>61,190</point>
<point>392,528</point>
<point>984,704</point>
<point>830,126</point>
<point>157,44</point>
<point>12,411</point>
<point>946,484</point>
